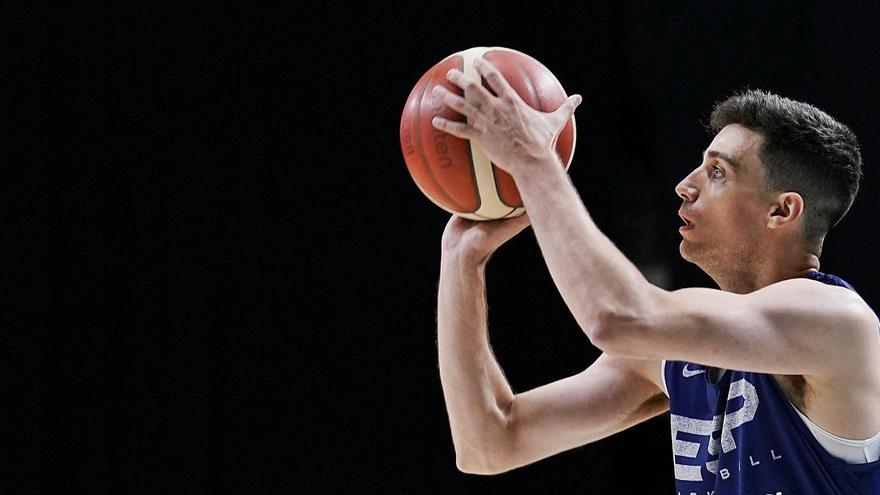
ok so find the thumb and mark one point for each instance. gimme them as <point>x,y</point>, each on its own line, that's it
<point>566,110</point>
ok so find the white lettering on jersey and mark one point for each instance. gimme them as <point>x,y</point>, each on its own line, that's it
<point>703,427</point>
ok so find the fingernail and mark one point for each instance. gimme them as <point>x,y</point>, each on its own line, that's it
<point>478,61</point>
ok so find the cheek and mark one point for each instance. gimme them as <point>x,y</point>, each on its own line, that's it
<point>744,216</point>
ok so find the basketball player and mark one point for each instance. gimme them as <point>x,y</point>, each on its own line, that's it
<point>772,382</point>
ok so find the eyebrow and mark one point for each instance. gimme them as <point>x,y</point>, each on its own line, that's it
<point>723,156</point>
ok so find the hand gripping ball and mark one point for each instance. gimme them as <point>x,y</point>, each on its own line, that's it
<point>454,173</point>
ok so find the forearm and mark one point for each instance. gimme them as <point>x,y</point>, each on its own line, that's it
<point>598,283</point>
<point>477,394</point>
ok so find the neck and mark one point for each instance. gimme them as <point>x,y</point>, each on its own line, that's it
<point>759,273</point>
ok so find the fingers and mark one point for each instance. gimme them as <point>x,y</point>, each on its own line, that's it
<point>481,239</point>
<point>475,92</point>
<point>506,229</point>
<point>517,224</point>
<point>509,226</point>
<point>494,77</point>
<point>457,224</point>
<point>458,129</point>
<point>473,109</point>
<point>457,103</point>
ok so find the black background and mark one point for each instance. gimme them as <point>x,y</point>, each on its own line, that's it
<point>235,276</point>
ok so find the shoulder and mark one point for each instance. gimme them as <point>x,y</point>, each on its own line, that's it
<point>843,320</point>
<point>831,302</point>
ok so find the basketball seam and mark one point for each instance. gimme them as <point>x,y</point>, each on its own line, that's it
<point>534,92</point>
<point>491,206</point>
<point>512,210</point>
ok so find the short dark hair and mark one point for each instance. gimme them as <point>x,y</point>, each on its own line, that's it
<point>805,150</point>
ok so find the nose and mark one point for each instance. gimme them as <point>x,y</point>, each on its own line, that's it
<point>687,189</point>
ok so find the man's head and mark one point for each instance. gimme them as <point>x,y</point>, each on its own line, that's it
<point>777,169</point>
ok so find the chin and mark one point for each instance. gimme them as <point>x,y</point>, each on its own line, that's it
<point>684,251</point>
<point>689,253</point>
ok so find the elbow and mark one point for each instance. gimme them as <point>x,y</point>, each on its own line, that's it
<point>485,455</point>
<point>623,328</point>
<point>471,465</point>
<point>617,333</point>
<point>481,463</point>
<point>604,333</point>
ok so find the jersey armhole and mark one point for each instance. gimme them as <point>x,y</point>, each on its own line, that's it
<point>663,377</point>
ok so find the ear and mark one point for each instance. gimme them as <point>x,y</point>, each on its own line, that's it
<point>785,210</point>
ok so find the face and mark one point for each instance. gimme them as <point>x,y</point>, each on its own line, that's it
<point>725,204</point>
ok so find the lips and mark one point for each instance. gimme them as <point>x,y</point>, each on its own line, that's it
<point>688,223</point>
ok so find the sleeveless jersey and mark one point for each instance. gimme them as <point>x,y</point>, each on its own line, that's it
<point>737,434</point>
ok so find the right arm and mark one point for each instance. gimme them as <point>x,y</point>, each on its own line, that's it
<point>493,429</point>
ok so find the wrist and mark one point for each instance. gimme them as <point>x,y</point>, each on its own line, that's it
<point>535,167</point>
<point>466,259</point>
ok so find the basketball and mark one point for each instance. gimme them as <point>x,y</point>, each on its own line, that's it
<point>454,173</point>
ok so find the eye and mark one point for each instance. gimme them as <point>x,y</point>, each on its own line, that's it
<point>715,172</point>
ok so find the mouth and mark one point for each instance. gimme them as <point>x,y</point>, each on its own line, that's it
<point>688,224</point>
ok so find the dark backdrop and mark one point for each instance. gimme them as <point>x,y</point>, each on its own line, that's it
<point>241,275</point>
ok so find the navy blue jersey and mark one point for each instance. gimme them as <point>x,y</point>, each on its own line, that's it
<point>738,434</point>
